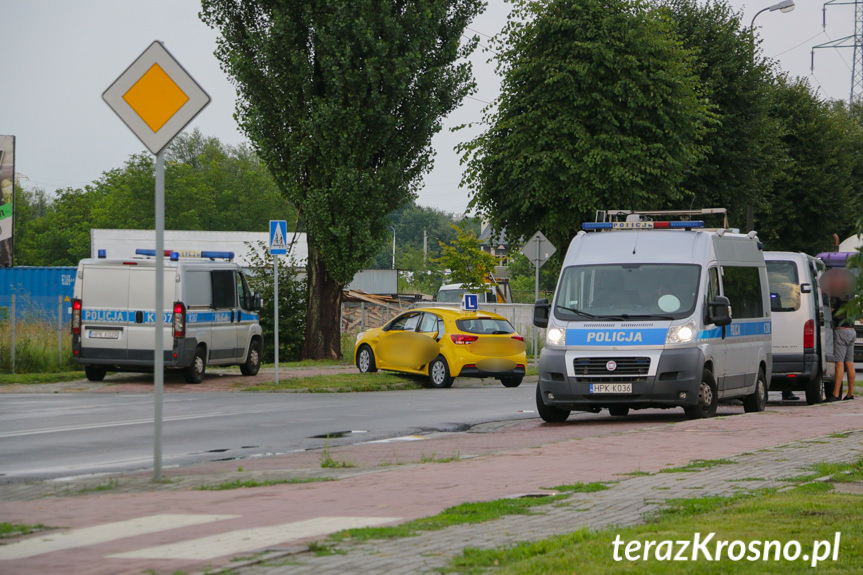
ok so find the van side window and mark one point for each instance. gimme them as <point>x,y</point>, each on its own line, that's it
<point>243,291</point>
<point>712,283</point>
<point>224,289</point>
<point>742,286</point>
<point>784,285</point>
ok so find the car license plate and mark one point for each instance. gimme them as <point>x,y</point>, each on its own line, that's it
<point>610,388</point>
<point>106,334</point>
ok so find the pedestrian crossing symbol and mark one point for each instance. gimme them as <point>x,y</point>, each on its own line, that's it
<point>278,231</point>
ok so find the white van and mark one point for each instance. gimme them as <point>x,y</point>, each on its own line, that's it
<point>211,315</point>
<point>802,330</point>
<point>642,317</point>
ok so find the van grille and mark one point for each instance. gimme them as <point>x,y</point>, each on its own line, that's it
<point>623,366</point>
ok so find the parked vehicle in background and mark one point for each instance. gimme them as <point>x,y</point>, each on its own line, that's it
<point>445,343</point>
<point>211,315</point>
<point>642,318</point>
<point>802,324</point>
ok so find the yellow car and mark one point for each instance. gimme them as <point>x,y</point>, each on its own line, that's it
<point>445,343</point>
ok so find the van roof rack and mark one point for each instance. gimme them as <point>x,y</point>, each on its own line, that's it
<point>615,215</point>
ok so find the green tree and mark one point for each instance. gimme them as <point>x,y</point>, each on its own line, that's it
<point>341,100</point>
<point>465,262</point>
<point>600,107</point>
<point>817,192</point>
<point>738,167</point>
<point>292,303</point>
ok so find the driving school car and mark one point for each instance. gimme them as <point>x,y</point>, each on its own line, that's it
<point>445,343</point>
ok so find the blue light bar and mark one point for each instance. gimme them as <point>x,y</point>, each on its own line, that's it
<point>175,255</point>
<point>590,226</point>
<point>687,225</point>
<point>221,255</point>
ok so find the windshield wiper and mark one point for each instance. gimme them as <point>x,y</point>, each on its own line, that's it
<point>577,311</point>
<point>628,316</point>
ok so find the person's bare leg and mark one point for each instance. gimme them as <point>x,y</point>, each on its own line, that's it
<point>849,367</point>
<point>837,378</point>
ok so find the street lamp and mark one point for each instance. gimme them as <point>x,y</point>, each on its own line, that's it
<point>785,6</point>
<point>394,246</point>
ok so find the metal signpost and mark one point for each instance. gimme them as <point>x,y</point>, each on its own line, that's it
<point>278,247</point>
<point>537,249</point>
<point>156,98</point>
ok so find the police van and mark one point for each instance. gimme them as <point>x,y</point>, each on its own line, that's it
<point>651,314</point>
<point>211,315</point>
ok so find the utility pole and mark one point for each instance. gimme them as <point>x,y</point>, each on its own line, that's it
<point>425,245</point>
<point>854,41</point>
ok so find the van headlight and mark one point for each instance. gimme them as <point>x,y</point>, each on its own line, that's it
<point>555,336</point>
<point>681,333</point>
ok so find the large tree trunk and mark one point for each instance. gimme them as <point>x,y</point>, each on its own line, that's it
<point>323,312</point>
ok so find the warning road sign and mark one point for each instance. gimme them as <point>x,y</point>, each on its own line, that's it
<point>278,232</point>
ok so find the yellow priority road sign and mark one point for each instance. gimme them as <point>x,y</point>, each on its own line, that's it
<point>156,97</point>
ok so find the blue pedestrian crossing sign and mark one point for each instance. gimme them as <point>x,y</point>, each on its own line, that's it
<point>470,302</point>
<point>278,233</point>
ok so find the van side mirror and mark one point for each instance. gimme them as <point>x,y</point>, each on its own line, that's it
<point>257,302</point>
<point>719,311</point>
<point>540,313</point>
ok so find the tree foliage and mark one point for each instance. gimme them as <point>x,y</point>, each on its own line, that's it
<point>465,262</point>
<point>600,107</point>
<point>738,166</point>
<point>817,187</point>
<point>292,302</point>
<point>341,100</point>
<point>208,186</point>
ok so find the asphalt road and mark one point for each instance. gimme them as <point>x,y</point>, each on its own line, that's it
<point>45,436</point>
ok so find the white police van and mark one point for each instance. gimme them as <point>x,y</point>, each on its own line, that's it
<point>212,318</point>
<point>642,317</point>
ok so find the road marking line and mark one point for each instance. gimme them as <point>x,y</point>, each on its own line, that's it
<point>89,426</point>
<point>245,540</point>
<point>401,438</point>
<point>59,541</point>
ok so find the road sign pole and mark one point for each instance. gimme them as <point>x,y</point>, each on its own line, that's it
<point>276,313</point>
<point>158,351</point>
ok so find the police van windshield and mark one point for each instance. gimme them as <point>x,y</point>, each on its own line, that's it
<point>627,291</point>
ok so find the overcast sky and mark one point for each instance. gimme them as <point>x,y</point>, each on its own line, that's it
<point>58,56</point>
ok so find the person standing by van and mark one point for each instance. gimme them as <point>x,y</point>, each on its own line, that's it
<point>844,336</point>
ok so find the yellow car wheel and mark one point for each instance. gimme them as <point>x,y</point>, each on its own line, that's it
<point>366,360</point>
<point>439,375</point>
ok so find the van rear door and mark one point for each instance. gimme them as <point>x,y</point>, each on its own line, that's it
<point>142,305</point>
<point>105,309</point>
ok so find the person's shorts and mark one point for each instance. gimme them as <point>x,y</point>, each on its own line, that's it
<point>843,344</point>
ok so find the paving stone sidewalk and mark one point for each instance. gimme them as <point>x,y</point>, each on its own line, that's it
<point>627,501</point>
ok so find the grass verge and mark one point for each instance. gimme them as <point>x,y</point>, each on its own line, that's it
<point>28,378</point>
<point>806,515</point>
<point>341,383</point>
<point>698,465</point>
<point>16,529</point>
<point>477,512</point>
<point>249,483</point>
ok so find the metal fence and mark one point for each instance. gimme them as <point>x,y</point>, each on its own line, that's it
<point>20,310</point>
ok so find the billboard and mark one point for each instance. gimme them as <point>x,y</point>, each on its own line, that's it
<point>7,194</point>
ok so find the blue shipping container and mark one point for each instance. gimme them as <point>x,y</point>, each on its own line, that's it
<point>39,291</point>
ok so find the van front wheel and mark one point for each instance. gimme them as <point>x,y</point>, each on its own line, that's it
<point>253,360</point>
<point>707,398</point>
<point>549,413</point>
<point>758,400</point>
<point>195,372</point>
